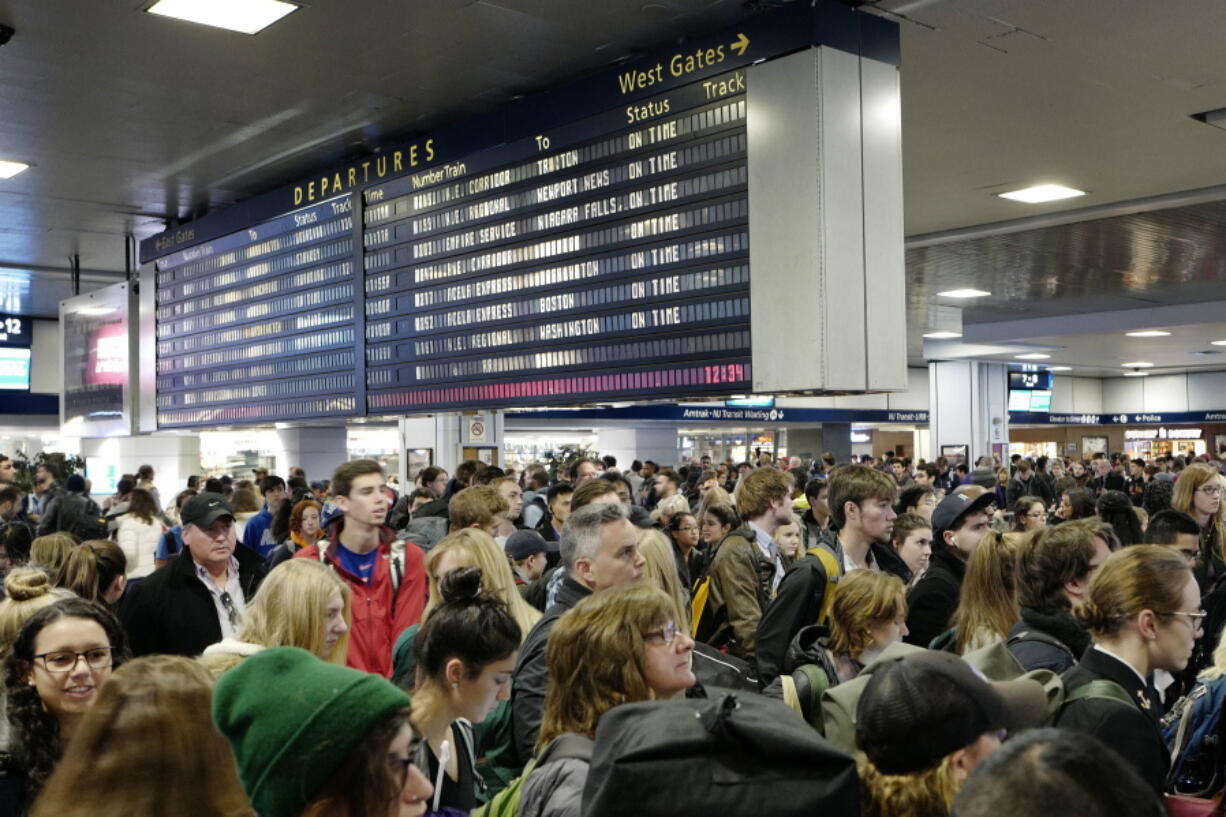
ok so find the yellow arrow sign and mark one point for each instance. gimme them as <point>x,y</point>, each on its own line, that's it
<point>740,44</point>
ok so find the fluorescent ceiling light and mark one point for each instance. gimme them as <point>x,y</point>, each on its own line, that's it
<point>963,293</point>
<point>9,169</point>
<point>1217,343</point>
<point>1059,368</point>
<point>1040,193</point>
<point>95,311</point>
<point>1033,356</point>
<point>1138,364</point>
<point>942,335</point>
<point>243,16</point>
<point>1148,333</point>
<point>1136,374</point>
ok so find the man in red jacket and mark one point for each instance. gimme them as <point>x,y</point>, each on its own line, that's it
<point>387,577</point>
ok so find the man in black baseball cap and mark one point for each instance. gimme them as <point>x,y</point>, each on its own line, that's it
<point>958,524</point>
<point>931,718</point>
<point>199,596</point>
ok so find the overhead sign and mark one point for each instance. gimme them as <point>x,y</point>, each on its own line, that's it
<point>16,331</point>
<point>1021,418</point>
<point>724,414</point>
<point>1162,433</point>
<point>584,245</point>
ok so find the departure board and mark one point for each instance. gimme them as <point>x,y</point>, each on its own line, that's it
<point>261,325</point>
<point>603,261</point>
<point>583,245</point>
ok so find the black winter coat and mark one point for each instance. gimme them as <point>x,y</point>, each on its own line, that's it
<point>934,598</point>
<point>1132,731</point>
<point>531,676</point>
<point>171,611</point>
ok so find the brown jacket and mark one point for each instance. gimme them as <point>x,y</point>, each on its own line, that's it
<point>740,590</point>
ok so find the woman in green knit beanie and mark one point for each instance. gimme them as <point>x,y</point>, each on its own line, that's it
<point>314,739</point>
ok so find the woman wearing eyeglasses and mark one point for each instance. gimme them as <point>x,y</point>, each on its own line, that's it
<point>614,647</point>
<point>1029,513</point>
<point>151,729</point>
<point>1142,611</point>
<point>683,531</point>
<point>315,739</point>
<point>1198,493</point>
<point>60,659</point>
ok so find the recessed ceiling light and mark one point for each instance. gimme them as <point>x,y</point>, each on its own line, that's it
<point>243,16</point>
<point>1040,193</point>
<point>9,169</point>
<point>1136,374</point>
<point>1217,343</point>
<point>1138,364</point>
<point>1059,368</point>
<point>1033,356</point>
<point>963,293</point>
<point>942,335</point>
<point>1148,333</point>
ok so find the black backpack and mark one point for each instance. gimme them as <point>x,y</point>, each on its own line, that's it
<point>733,755</point>
<point>81,516</point>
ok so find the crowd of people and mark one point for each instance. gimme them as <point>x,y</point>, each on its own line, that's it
<point>933,639</point>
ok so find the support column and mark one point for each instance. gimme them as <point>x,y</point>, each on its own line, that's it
<point>968,403</point>
<point>629,444</point>
<point>448,436</point>
<point>174,458</point>
<point>805,443</point>
<point>836,438</point>
<point>315,449</point>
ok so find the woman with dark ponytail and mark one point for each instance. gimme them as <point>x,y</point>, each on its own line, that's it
<point>61,658</point>
<point>1143,611</point>
<point>95,570</point>
<point>465,652</point>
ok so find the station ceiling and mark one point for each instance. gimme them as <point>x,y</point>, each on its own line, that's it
<point>133,122</point>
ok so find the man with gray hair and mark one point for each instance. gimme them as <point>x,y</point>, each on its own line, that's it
<point>600,549</point>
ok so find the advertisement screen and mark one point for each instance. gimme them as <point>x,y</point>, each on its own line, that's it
<point>14,369</point>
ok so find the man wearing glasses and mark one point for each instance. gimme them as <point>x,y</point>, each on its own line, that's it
<point>199,597</point>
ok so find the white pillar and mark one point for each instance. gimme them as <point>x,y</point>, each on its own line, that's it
<point>317,450</point>
<point>629,444</point>
<point>174,458</point>
<point>448,435</point>
<point>968,406</point>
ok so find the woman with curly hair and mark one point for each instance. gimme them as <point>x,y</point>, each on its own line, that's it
<point>614,647</point>
<point>59,661</point>
<point>151,729</point>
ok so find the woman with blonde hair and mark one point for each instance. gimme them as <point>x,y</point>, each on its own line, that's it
<point>868,614</point>
<point>617,646</point>
<point>669,507</point>
<point>1142,611</point>
<point>48,553</point>
<point>150,728</point>
<point>95,570</point>
<point>1198,493</point>
<point>300,604</point>
<point>660,570</point>
<point>27,590</point>
<point>987,604</point>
